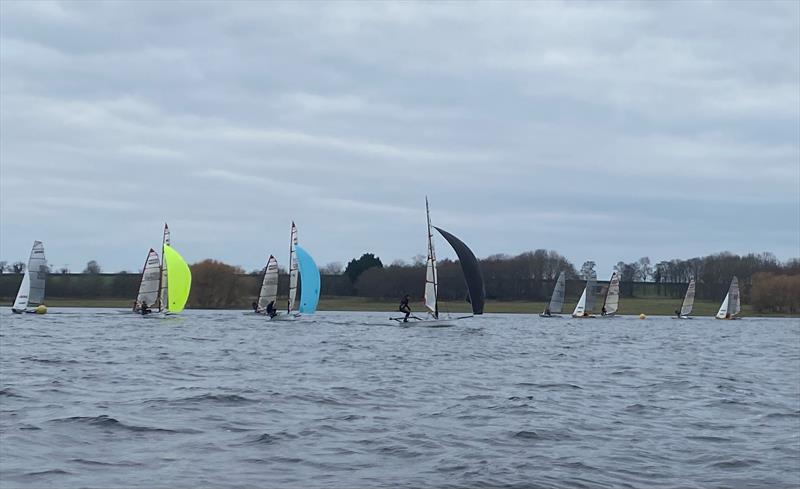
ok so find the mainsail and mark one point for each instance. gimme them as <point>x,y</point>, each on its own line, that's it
<point>611,303</point>
<point>557,299</point>
<point>731,305</point>
<point>292,269</point>
<point>151,276</point>
<point>471,270</point>
<point>269,287</point>
<point>309,276</point>
<point>37,271</point>
<point>164,296</point>
<point>179,278</point>
<point>688,300</point>
<point>431,278</point>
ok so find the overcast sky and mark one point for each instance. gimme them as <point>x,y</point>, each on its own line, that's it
<point>605,131</point>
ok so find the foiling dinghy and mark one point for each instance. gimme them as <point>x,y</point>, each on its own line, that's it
<point>472,276</point>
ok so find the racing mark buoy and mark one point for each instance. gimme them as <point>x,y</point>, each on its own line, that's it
<point>41,309</point>
<point>642,316</point>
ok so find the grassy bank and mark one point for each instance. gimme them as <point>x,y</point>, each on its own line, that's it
<point>651,306</point>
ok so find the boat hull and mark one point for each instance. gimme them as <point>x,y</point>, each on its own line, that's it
<point>543,315</point>
<point>430,323</point>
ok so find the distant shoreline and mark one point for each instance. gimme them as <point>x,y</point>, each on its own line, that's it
<point>657,306</point>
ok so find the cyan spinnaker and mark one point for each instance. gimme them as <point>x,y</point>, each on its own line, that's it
<point>309,280</point>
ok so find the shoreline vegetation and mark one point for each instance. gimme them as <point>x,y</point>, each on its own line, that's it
<point>655,306</point>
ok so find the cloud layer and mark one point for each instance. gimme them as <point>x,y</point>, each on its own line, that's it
<point>606,132</point>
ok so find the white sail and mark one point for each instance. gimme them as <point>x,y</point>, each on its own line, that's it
<point>735,306</point>
<point>580,308</point>
<point>431,278</point>
<point>151,278</point>
<point>611,303</point>
<point>164,288</point>
<point>591,286</point>
<point>557,299</point>
<point>269,287</point>
<point>292,269</point>
<point>37,272</point>
<point>688,299</point>
<point>723,310</point>
<point>21,302</point>
<point>731,305</point>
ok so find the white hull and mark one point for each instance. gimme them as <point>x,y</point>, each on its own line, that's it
<point>430,323</point>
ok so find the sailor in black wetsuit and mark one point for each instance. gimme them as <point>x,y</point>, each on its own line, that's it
<point>405,308</point>
<point>271,312</point>
<point>144,309</point>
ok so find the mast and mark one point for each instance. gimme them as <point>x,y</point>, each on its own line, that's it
<point>292,270</point>
<point>163,287</point>
<point>432,262</point>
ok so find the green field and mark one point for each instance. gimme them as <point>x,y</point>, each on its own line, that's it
<point>653,306</point>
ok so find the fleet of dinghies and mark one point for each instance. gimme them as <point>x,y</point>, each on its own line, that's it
<point>166,282</point>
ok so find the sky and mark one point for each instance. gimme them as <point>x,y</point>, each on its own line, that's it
<point>604,131</point>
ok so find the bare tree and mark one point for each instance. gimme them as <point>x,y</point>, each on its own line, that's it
<point>332,268</point>
<point>92,267</point>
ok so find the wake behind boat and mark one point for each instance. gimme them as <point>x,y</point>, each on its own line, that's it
<point>472,276</point>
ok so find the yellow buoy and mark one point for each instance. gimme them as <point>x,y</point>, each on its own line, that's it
<point>642,316</point>
<point>41,309</point>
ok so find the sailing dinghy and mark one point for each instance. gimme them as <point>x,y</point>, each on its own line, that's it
<point>611,300</point>
<point>731,305</point>
<point>30,297</point>
<point>268,293</point>
<point>556,304</point>
<point>164,286</point>
<point>586,303</point>
<point>688,302</point>
<point>304,270</point>
<point>472,276</point>
<point>149,286</point>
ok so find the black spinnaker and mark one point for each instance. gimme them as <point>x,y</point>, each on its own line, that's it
<point>471,270</point>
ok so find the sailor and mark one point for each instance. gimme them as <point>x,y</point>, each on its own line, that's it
<point>144,309</point>
<point>677,313</point>
<point>603,311</point>
<point>271,309</point>
<point>405,308</point>
<point>547,311</point>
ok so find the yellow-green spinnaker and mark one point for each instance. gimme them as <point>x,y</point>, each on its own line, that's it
<point>179,279</point>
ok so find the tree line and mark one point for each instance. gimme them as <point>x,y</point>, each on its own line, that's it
<point>765,282</point>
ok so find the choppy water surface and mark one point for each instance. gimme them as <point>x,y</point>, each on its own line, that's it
<point>95,398</point>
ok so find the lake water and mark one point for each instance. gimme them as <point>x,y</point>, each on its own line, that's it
<point>96,398</point>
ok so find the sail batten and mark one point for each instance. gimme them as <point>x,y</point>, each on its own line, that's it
<point>471,270</point>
